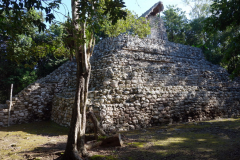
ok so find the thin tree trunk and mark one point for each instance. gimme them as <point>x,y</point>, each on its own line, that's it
<point>76,138</point>
<point>10,105</point>
<point>71,152</point>
<point>76,133</point>
<point>75,148</point>
<point>97,127</point>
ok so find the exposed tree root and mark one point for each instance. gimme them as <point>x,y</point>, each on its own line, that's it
<point>111,141</point>
<point>107,141</point>
<point>97,127</point>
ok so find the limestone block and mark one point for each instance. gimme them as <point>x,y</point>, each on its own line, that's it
<point>134,81</point>
<point>109,97</point>
<point>117,98</point>
<point>135,121</point>
<point>114,84</point>
<point>102,101</point>
<point>131,108</point>
<point>131,127</point>
<point>21,114</point>
<point>16,112</point>
<point>5,110</point>
<point>145,105</point>
<point>106,82</point>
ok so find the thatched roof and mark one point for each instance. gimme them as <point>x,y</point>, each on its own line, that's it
<point>155,9</point>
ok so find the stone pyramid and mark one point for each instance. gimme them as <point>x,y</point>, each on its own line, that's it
<point>134,83</point>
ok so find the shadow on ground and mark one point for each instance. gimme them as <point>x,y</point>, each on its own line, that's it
<point>210,140</point>
<point>37,139</point>
<point>47,128</point>
<point>218,139</point>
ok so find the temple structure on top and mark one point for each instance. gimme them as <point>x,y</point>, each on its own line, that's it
<point>158,30</point>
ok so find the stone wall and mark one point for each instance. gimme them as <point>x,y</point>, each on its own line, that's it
<point>142,82</point>
<point>35,101</point>
<point>158,30</point>
<point>3,114</point>
<point>134,83</point>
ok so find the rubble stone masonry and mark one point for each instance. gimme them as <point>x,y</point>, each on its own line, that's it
<point>137,83</point>
<point>134,83</point>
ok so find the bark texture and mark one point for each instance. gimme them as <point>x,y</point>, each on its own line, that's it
<point>83,45</point>
<point>75,148</point>
<point>97,127</point>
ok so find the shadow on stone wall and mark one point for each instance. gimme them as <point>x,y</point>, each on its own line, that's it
<point>135,83</point>
<point>34,103</point>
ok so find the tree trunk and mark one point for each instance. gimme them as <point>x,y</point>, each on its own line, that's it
<point>10,105</point>
<point>75,148</point>
<point>75,143</point>
<point>97,127</point>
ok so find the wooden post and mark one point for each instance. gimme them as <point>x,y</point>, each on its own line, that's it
<point>10,105</point>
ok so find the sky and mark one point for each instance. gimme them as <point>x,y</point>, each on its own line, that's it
<point>138,6</point>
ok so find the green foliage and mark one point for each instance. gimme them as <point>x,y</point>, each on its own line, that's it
<point>32,46</point>
<point>231,58</point>
<point>94,12</point>
<point>101,157</point>
<point>224,14</point>
<point>14,10</point>
<point>225,19</point>
<point>131,25</point>
<point>48,64</point>
<point>194,33</point>
<point>199,8</point>
<point>16,74</point>
<point>27,57</point>
<point>218,35</point>
<point>191,32</point>
<point>175,22</point>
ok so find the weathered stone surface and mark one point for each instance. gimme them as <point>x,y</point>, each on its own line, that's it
<point>35,101</point>
<point>134,83</point>
<point>189,89</point>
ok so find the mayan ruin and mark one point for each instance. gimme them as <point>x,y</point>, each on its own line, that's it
<point>135,83</point>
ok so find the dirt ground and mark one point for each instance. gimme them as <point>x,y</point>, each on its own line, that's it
<point>211,140</point>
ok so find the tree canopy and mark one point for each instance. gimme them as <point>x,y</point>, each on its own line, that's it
<point>199,8</point>
<point>213,27</point>
<point>225,19</point>
<point>175,22</point>
<point>130,25</point>
<point>35,54</point>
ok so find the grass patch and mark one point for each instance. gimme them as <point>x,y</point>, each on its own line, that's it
<point>202,140</point>
<point>217,139</point>
<point>101,157</point>
<point>170,141</point>
<point>137,144</point>
<point>21,139</point>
